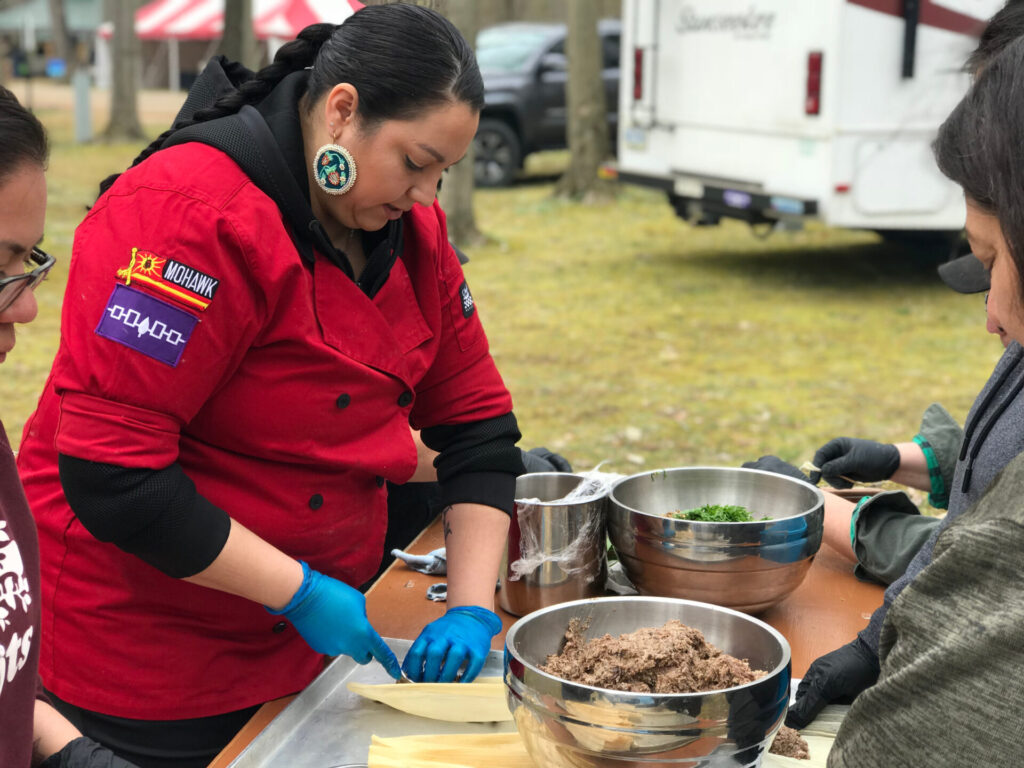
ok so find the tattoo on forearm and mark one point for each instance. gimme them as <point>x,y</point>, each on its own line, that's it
<point>446,523</point>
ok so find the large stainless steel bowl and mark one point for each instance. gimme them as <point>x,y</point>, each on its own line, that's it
<point>572,725</point>
<point>747,566</point>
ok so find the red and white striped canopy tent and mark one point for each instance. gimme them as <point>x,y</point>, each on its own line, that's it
<point>172,21</point>
<point>204,19</point>
<point>285,19</point>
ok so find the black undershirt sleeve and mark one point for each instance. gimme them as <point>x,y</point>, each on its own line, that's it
<point>154,514</point>
<point>478,461</point>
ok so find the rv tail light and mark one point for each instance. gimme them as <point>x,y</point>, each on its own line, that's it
<point>812,104</point>
<point>842,189</point>
<point>638,74</point>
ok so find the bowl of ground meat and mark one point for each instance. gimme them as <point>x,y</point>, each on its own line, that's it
<point>739,538</point>
<point>646,681</point>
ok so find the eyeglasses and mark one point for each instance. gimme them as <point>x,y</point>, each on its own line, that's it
<point>37,266</point>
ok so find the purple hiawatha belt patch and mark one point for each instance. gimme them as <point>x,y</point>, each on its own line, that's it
<point>146,324</point>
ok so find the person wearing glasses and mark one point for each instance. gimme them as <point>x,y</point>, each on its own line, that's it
<point>957,467</point>
<point>36,264</point>
<point>257,313</point>
<point>32,732</point>
<point>950,681</point>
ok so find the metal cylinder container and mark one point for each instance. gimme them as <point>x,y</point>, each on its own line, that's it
<point>556,548</point>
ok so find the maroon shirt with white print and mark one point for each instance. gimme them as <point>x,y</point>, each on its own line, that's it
<point>19,615</point>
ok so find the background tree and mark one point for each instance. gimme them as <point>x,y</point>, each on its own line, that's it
<point>239,40</point>
<point>457,191</point>
<point>126,55</point>
<point>61,41</point>
<point>586,113</point>
<point>491,12</point>
<point>498,11</point>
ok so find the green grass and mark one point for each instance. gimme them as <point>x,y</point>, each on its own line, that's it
<point>630,338</point>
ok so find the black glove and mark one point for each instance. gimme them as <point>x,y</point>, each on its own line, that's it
<point>835,678</point>
<point>85,753</point>
<point>543,460</point>
<point>864,461</point>
<point>778,466</point>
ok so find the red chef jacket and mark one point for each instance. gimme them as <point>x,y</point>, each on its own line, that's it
<point>193,332</point>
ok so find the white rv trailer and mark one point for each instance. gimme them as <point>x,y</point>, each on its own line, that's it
<point>779,110</point>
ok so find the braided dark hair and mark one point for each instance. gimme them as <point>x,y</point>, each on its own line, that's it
<point>22,137</point>
<point>400,58</point>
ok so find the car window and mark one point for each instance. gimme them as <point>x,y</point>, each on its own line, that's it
<point>507,50</point>
<point>610,52</point>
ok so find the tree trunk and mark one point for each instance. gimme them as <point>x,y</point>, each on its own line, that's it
<point>239,40</point>
<point>61,41</point>
<point>127,64</point>
<point>587,122</point>
<point>493,12</point>
<point>541,10</point>
<point>457,190</point>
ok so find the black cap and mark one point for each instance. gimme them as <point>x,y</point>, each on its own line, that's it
<point>965,274</point>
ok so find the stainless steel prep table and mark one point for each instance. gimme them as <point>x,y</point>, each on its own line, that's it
<point>327,725</point>
<point>829,608</point>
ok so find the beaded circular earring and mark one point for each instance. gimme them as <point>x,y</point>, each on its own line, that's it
<point>334,169</point>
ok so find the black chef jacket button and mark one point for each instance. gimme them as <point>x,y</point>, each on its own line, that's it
<point>280,627</point>
<point>343,401</point>
<point>316,501</point>
<point>380,481</point>
<point>404,399</point>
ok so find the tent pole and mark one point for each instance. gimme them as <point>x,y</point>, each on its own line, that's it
<point>173,65</point>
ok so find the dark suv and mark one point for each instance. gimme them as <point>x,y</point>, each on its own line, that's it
<point>524,69</point>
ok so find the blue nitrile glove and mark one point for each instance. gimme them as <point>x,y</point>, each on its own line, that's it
<point>462,636</point>
<point>331,617</point>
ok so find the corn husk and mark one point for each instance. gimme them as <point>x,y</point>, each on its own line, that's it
<point>486,750</point>
<point>482,701</point>
<point>506,750</point>
<point>828,721</point>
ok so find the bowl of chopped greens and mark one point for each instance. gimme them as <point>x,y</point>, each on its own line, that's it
<point>739,538</point>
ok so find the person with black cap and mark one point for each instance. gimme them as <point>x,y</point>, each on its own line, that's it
<point>961,466</point>
<point>891,541</point>
<point>948,686</point>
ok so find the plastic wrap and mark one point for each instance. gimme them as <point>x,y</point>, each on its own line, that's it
<point>577,556</point>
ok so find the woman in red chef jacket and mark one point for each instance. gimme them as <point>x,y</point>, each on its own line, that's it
<point>255,315</point>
